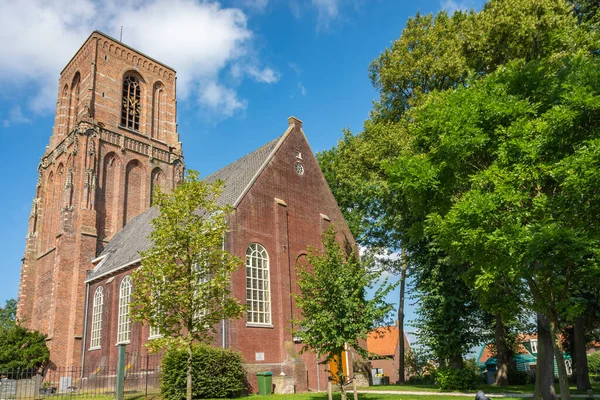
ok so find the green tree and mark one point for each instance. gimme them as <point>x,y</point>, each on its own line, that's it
<point>437,53</point>
<point>514,144</point>
<point>182,286</point>
<point>22,349</point>
<point>8,314</point>
<point>336,314</point>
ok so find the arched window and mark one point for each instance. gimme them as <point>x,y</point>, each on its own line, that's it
<point>158,110</point>
<point>130,109</point>
<point>97,318</point>
<point>124,323</point>
<point>74,102</point>
<point>258,292</point>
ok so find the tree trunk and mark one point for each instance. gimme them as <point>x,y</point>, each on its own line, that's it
<point>188,388</point>
<point>456,361</point>
<point>580,364</point>
<point>544,373</point>
<point>501,353</point>
<point>402,350</point>
<point>563,378</point>
<point>341,377</point>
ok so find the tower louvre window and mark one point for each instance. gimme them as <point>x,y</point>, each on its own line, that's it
<point>130,108</point>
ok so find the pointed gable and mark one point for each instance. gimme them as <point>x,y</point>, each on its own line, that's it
<point>125,247</point>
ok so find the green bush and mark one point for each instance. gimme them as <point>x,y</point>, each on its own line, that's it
<point>516,377</point>
<point>218,373</point>
<point>421,380</point>
<point>466,378</point>
<point>594,363</point>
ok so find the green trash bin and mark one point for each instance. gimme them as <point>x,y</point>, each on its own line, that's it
<point>265,386</point>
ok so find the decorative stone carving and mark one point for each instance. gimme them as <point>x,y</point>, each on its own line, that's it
<point>90,178</point>
<point>34,208</point>
<point>69,180</point>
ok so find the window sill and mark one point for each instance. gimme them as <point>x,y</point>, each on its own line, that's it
<point>94,348</point>
<point>155,337</point>
<point>125,342</point>
<point>255,325</point>
<point>131,130</point>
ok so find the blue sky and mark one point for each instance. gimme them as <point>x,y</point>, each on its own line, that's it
<point>243,66</point>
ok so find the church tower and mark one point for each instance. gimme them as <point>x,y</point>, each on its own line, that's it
<point>114,140</point>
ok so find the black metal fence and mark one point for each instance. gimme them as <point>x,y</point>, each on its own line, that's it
<point>142,380</point>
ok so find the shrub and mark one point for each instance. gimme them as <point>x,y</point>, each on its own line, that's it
<point>466,378</point>
<point>594,363</point>
<point>217,373</point>
<point>421,380</point>
<point>516,377</point>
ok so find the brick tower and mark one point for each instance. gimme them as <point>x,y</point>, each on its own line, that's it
<point>114,140</point>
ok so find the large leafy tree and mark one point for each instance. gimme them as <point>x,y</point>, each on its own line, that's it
<point>20,348</point>
<point>8,314</point>
<point>438,53</point>
<point>336,313</point>
<point>182,286</point>
<point>519,143</point>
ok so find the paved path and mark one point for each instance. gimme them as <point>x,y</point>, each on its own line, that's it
<point>491,395</point>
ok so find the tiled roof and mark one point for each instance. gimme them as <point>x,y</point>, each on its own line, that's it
<point>124,248</point>
<point>239,174</point>
<point>383,341</point>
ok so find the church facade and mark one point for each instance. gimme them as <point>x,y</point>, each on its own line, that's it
<point>114,140</point>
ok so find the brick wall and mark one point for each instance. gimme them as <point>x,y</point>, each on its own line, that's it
<point>285,231</point>
<point>94,176</point>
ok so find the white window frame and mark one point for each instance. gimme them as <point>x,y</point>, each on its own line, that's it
<point>124,322</point>
<point>258,286</point>
<point>96,334</point>
<point>154,333</point>
<point>202,279</point>
<point>534,347</point>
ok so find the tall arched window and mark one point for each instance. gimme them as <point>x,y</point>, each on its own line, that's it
<point>74,102</point>
<point>97,318</point>
<point>124,323</point>
<point>258,292</point>
<point>130,108</point>
<point>158,110</point>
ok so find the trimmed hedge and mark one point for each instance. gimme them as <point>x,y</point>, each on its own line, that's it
<point>218,373</point>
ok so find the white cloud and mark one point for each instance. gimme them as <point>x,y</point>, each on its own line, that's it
<point>265,75</point>
<point>198,38</point>
<point>222,100</point>
<point>327,11</point>
<point>302,88</point>
<point>15,116</point>
<point>452,6</point>
<point>253,5</point>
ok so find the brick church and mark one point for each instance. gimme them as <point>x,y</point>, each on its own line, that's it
<point>114,140</point>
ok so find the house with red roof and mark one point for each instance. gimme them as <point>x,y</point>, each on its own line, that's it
<point>384,346</point>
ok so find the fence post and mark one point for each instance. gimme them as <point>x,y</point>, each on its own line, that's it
<point>147,362</point>
<point>120,384</point>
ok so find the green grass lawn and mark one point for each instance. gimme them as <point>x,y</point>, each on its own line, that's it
<point>518,389</point>
<point>301,396</point>
<point>370,396</point>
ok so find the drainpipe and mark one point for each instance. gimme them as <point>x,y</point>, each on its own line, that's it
<point>85,321</point>
<point>223,320</point>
